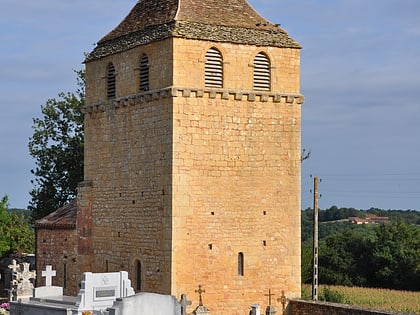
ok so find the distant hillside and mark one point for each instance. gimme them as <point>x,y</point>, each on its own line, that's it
<point>19,211</point>
<point>334,214</point>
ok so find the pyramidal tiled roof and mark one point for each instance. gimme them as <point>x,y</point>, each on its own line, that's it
<point>216,20</point>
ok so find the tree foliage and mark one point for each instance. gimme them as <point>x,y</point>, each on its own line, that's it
<point>384,256</point>
<point>15,232</point>
<point>57,147</point>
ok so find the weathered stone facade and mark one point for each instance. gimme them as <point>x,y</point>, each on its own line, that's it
<point>187,185</point>
<point>56,245</point>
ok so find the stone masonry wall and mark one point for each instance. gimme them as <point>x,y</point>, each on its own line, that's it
<point>300,307</point>
<point>60,252</point>
<point>183,178</point>
<point>236,179</point>
<point>130,147</point>
<point>128,161</point>
<point>189,63</point>
<point>127,66</point>
<point>236,190</point>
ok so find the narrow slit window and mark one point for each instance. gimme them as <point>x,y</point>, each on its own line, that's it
<point>111,82</point>
<point>262,72</point>
<point>241,264</point>
<point>65,276</point>
<point>138,275</point>
<point>214,69</point>
<point>144,73</point>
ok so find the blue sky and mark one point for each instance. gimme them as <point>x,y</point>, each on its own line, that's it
<point>360,77</point>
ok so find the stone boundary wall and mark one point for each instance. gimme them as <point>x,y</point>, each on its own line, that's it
<point>301,307</point>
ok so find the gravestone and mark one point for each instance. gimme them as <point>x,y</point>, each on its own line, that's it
<point>48,290</point>
<point>100,290</point>
<point>21,285</point>
<point>255,309</point>
<point>201,309</point>
<point>25,286</point>
<point>146,303</point>
<point>270,310</point>
<point>13,283</point>
<point>184,304</point>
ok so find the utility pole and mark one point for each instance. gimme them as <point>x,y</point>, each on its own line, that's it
<point>315,244</point>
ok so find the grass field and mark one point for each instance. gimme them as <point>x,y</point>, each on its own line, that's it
<point>402,301</point>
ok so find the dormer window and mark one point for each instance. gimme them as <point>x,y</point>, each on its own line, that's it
<point>214,68</point>
<point>144,73</point>
<point>262,72</point>
<point>110,76</point>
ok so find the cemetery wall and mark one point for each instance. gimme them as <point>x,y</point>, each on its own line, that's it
<point>58,247</point>
<point>301,307</point>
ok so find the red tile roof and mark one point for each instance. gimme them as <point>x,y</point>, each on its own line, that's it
<point>63,218</point>
<point>147,13</point>
<point>215,20</point>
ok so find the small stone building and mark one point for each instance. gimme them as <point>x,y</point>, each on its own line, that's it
<point>56,245</point>
<point>192,157</point>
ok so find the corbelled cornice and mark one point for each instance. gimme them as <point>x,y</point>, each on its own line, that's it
<point>239,95</point>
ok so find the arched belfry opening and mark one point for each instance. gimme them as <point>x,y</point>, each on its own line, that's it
<point>214,68</point>
<point>144,73</point>
<point>262,72</point>
<point>110,81</point>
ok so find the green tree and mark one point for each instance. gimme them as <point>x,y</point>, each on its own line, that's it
<point>396,257</point>
<point>15,232</point>
<point>307,258</point>
<point>5,221</point>
<point>386,255</point>
<point>57,146</point>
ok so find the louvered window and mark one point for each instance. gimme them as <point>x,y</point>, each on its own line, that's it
<point>111,81</point>
<point>214,69</point>
<point>144,74</point>
<point>262,76</point>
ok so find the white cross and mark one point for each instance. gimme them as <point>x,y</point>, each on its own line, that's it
<point>14,266</point>
<point>48,274</point>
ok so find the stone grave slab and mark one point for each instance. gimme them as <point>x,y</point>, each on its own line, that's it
<point>100,290</point>
<point>146,303</point>
<point>48,290</point>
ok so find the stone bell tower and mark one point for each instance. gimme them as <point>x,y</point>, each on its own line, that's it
<point>192,154</point>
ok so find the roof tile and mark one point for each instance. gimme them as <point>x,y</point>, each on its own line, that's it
<point>221,21</point>
<point>64,218</point>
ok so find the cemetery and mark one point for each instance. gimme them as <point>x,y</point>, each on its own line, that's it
<point>111,293</point>
<point>108,293</point>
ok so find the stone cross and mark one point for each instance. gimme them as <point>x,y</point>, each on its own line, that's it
<point>48,274</point>
<point>184,303</point>
<point>200,291</point>
<point>283,300</point>
<point>14,266</point>
<point>269,296</point>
